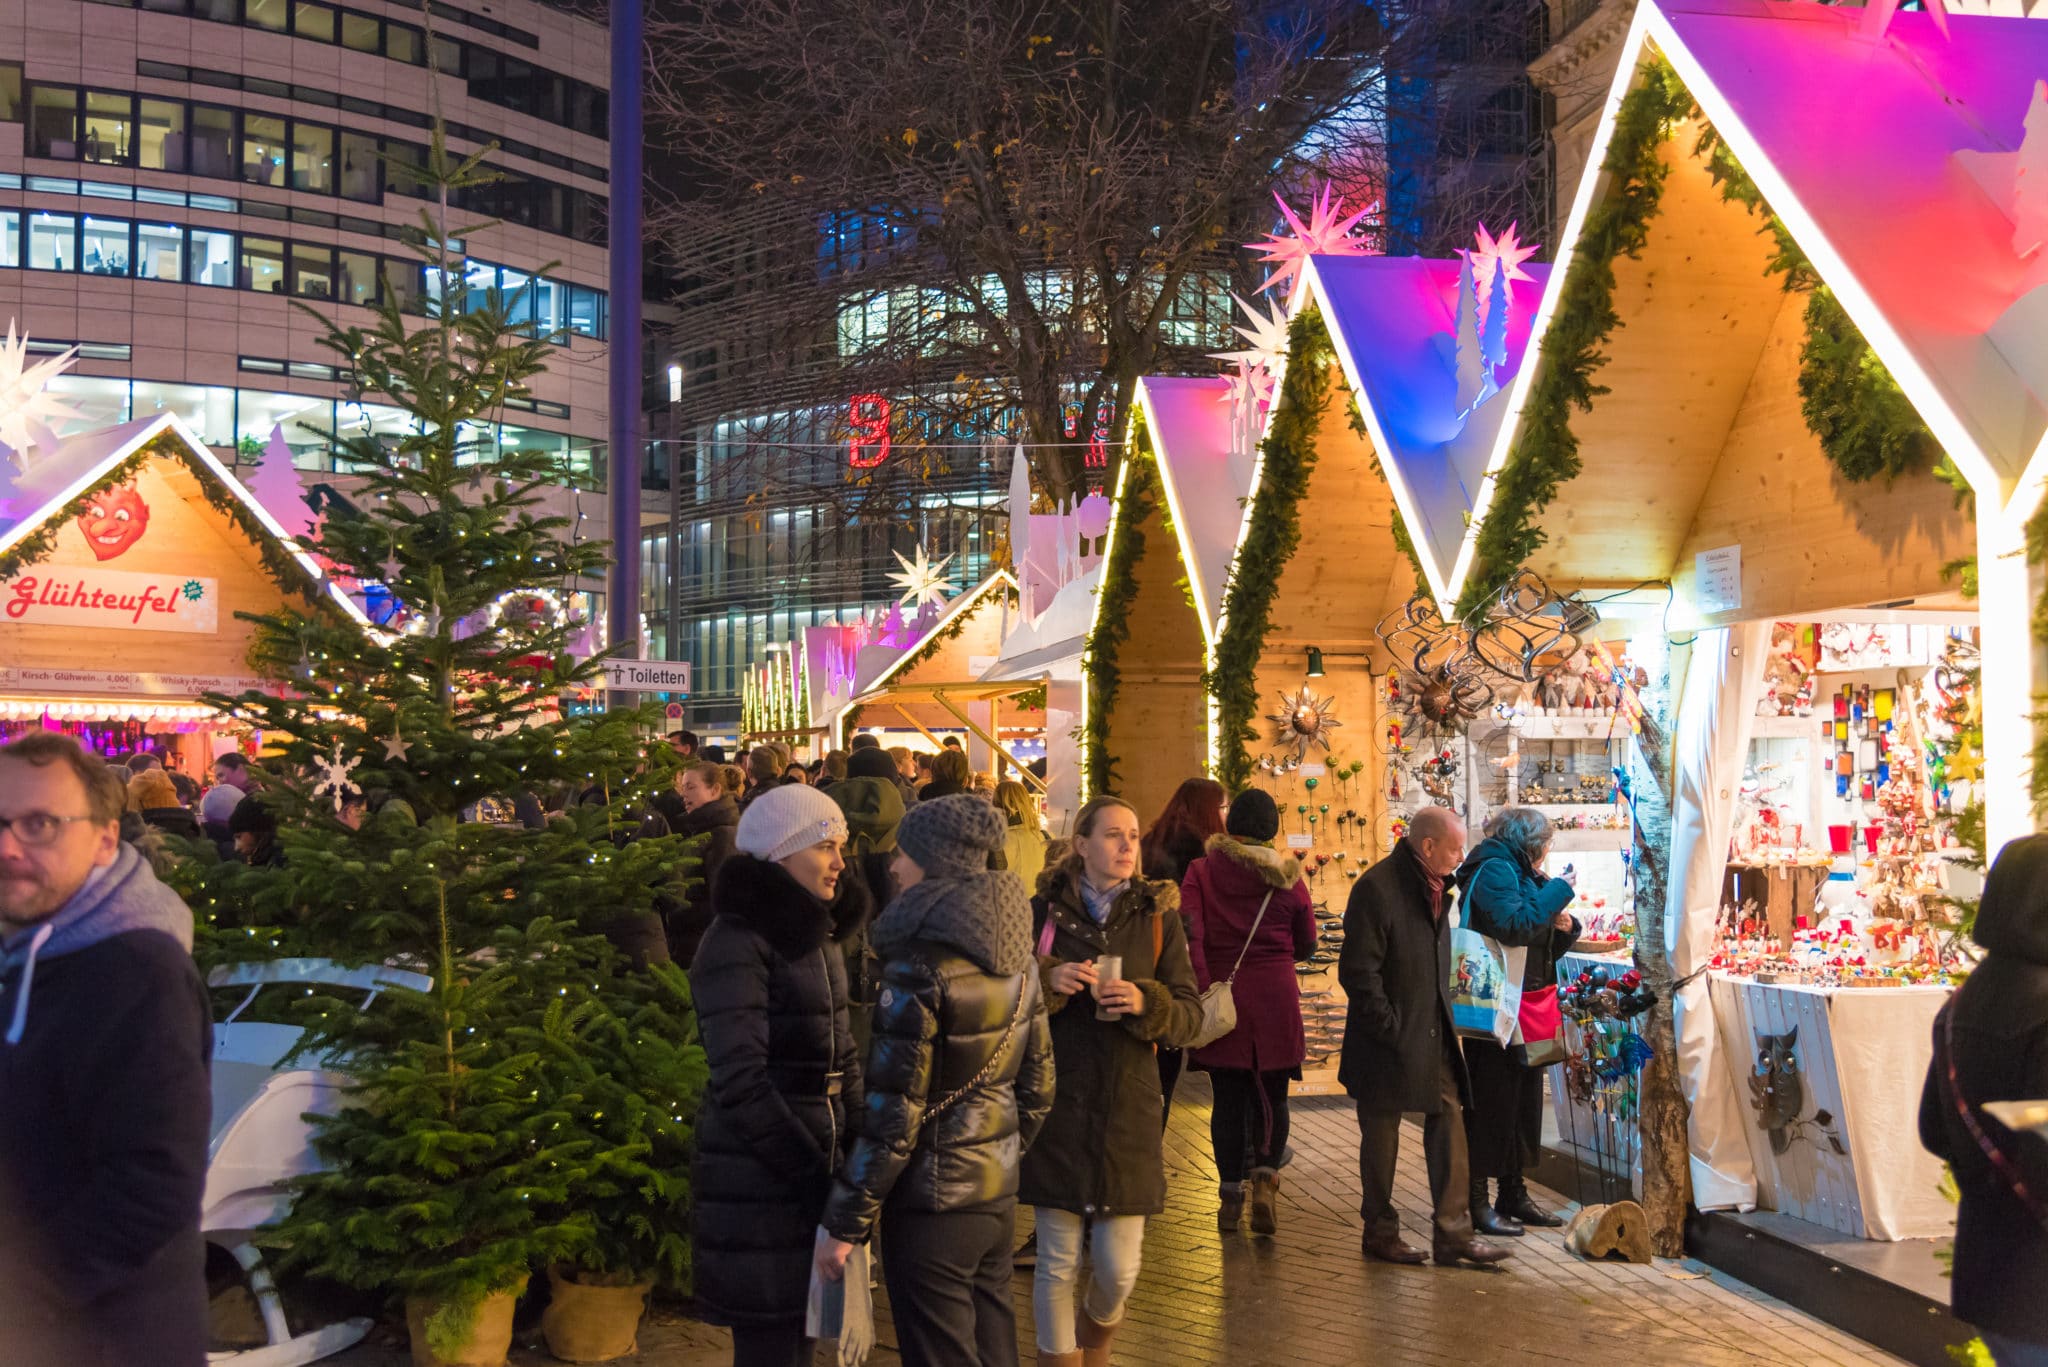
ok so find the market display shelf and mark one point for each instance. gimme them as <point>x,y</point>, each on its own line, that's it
<point>1786,728</point>
<point>1591,840</point>
<point>1573,728</point>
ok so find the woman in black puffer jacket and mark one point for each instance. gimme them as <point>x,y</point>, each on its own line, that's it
<point>959,1079</point>
<point>770,986</point>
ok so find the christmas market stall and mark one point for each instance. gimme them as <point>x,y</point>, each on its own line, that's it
<point>128,556</point>
<point>1309,504</point>
<point>1792,393</point>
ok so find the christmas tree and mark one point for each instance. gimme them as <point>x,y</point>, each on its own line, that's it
<point>535,1105</point>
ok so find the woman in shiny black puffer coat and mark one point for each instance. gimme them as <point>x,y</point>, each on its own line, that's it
<point>959,1079</point>
<point>769,981</point>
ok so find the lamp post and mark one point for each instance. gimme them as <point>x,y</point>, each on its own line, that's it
<point>622,585</point>
<point>675,511</point>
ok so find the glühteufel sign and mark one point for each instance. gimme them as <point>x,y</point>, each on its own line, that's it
<point>118,600</point>
<point>648,676</point>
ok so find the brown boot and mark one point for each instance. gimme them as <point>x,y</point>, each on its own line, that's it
<point>1230,1207</point>
<point>1265,1193</point>
<point>1072,1359</point>
<point>1094,1338</point>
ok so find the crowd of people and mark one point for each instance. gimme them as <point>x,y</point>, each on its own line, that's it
<point>1032,1009</point>
<point>918,1012</point>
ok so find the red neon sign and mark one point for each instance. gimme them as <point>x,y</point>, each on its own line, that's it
<point>867,415</point>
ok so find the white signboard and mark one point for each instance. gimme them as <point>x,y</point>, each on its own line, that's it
<point>1717,580</point>
<point>120,683</point>
<point>116,600</point>
<point>648,676</point>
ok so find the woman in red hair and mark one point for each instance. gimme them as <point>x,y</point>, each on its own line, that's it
<point>1177,838</point>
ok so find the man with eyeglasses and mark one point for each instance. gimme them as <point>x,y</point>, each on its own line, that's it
<point>105,1034</point>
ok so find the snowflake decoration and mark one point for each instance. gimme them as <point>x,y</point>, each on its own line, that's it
<point>28,410</point>
<point>1266,333</point>
<point>1507,250</point>
<point>1304,721</point>
<point>335,773</point>
<point>922,581</point>
<point>1327,233</point>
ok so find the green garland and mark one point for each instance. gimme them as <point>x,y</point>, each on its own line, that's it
<point>1270,539</point>
<point>1852,404</point>
<point>1546,452</point>
<point>284,567</point>
<point>1113,605</point>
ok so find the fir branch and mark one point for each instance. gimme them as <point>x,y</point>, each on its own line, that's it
<point>1119,587</point>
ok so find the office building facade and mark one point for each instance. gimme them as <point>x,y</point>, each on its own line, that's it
<point>177,175</point>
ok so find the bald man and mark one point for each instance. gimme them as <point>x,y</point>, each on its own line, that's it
<point>1400,1054</point>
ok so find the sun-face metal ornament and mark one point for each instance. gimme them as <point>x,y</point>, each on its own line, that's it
<point>1304,721</point>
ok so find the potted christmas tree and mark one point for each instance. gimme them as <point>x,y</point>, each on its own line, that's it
<point>533,1108</point>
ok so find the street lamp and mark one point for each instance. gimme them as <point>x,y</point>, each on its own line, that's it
<point>675,511</point>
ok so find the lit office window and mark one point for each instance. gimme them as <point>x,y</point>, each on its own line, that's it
<point>160,135</point>
<point>159,251</point>
<point>356,278</point>
<point>210,257</point>
<point>10,237</point>
<point>52,242</point>
<point>263,149</point>
<point>53,122</point>
<point>109,127</point>
<point>312,271</point>
<point>105,250</point>
<point>263,265</point>
<point>312,158</point>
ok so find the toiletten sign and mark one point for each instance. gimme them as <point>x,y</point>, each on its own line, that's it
<point>116,600</point>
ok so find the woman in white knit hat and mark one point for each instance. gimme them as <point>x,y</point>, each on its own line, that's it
<point>770,986</point>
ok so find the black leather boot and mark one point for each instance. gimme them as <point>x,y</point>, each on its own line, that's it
<point>1516,1203</point>
<point>1487,1220</point>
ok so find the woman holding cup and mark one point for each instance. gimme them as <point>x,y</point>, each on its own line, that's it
<point>1114,960</point>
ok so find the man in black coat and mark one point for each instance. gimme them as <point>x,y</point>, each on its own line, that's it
<point>1400,1053</point>
<point>104,1098</point>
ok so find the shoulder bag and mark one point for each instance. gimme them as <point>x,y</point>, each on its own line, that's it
<point>1219,1000</point>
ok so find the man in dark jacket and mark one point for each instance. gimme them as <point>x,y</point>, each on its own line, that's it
<point>960,1080</point>
<point>706,810</point>
<point>1991,1044</point>
<point>104,1098</point>
<point>1400,1053</point>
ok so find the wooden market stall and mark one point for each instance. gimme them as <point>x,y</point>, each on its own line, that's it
<point>1700,476</point>
<point>128,557</point>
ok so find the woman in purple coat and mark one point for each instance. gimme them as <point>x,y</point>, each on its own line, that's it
<point>1245,900</point>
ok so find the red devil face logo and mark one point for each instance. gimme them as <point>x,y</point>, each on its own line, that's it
<point>114,522</point>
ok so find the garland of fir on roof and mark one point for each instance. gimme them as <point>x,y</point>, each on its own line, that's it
<point>1112,626</point>
<point>1288,455</point>
<point>1546,452</point>
<point>278,560</point>
<point>1865,423</point>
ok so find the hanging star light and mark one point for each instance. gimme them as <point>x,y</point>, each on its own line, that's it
<point>335,773</point>
<point>1266,333</point>
<point>1507,249</point>
<point>28,409</point>
<point>922,581</point>
<point>1327,233</point>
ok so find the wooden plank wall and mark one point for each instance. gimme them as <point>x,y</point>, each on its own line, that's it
<point>1159,723</point>
<point>1811,540</point>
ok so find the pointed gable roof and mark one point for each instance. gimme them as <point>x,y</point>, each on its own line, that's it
<point>78,464</point>
<point>1385,315</point>
<point>1205,479</point>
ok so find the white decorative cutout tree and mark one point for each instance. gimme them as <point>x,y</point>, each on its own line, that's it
<point>275,482</point>
<point>2030,178</point>
<point>1470,365</point>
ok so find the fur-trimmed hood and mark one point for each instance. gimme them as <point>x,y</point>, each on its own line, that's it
<point>764,898</point>
<point>1062,882</point>
<point>1275,868</point>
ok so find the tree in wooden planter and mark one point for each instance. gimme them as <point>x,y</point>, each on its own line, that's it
<point>534,1107</point>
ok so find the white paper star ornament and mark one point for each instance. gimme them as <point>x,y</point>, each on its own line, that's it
<point>922,581</point>
<point>28,410</point>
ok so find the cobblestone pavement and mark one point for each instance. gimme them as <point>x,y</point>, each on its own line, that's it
<point>1308,1296</point>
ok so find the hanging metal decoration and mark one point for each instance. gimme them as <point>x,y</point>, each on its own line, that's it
<point>1421,641</point>
<point>1443,702</point>
<point>1304,721</point>
<point>1525,630</point>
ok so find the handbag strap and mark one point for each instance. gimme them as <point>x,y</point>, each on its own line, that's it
<point>1025,994</point>
<point>2007,1170</point>
<point>1232,979</point>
